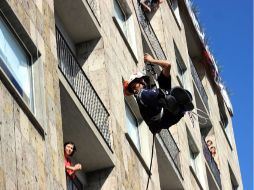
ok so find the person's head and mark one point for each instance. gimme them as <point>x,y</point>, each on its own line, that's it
<point>135,83</point>
<point>209,143</point>
<point>69,148</point>
<point>212,150</point>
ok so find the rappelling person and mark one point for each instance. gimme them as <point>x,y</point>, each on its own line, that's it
<point>160,107</point>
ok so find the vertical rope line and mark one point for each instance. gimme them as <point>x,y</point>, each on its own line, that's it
<point>149,174</point>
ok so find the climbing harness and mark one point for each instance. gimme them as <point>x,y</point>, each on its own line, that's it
<point>150,168</point>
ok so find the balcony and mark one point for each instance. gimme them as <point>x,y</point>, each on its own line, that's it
<point>199,85</point>
<point>213,167</point>
<point>76,16</point>
<point>85,118</point>
<point>168,161</point>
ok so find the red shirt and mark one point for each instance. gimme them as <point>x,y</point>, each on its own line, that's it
<point>67,162</point>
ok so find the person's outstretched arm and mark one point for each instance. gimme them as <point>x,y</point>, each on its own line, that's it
<point>166,66</point>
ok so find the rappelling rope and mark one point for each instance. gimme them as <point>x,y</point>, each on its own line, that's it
<point>150,168</point>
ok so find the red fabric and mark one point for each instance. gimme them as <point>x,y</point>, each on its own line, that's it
<point>206,57</point>
<point>67,162</point>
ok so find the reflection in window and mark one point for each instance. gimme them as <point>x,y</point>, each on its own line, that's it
<point>181,67</point>
<point>15,62</point>
<point>132,126</point>
<point>126,24</point>
<point>174,6</point>
<point>193,153</point>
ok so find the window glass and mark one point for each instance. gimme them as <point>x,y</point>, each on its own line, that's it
<point>174,5</point>
<point>120,17</point>
<point>131,35</point>
<point>126,25</point>
<point>193,153</point>
<point>180,70</point>
<point>132,126</point>
<point>15,62</point>
<point>181,67</point>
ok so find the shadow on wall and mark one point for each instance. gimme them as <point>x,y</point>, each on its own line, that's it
<point>96,179</point>
<point>85,49</point>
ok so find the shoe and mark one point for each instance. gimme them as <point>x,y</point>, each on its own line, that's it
<point>181,95</point>
<point>171,104</point>
<point>188,106</point>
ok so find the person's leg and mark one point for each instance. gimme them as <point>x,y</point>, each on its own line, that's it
<point>164,82</point>
<point>170,119</point>
<point>183,98</point>
<point>168,102</point>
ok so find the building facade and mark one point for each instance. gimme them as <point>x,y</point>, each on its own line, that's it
<point>62,64</point>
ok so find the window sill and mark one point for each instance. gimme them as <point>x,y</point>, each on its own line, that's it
<point>196,177</point>
<point>15,94</point>
<point>138,154</point>
<point>125,40</point>
<point>179,81</point>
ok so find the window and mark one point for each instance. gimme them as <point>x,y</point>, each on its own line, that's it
<point>225,126</point>
<point>195,160</point>
<point>233,180</point>
<point>193,153</point>
<point>180,70</point>
<point>132,126</point>
<point>181,67</point>
<point>120,17</point>
<point>174,6</point>
<point>125,22</point>
<point>15,62</point>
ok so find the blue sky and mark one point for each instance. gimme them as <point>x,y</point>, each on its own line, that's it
<point>229,27</point>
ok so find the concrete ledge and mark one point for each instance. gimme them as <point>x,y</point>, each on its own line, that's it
<point>15,94</point>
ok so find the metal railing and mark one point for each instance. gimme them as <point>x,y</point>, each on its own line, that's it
<point>199,85</point>
<point>211,162</point>
<point>151,36</point>
<point>171,147</point>
<point>82,87</point>
<point>73,183</point>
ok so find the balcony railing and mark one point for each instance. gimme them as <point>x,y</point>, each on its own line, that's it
<point>82,87</point>
<point>171,147</point>
<point>199,85</point>
<point>73,183</point>
<point>212,164</point>
<point>151,36</point>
